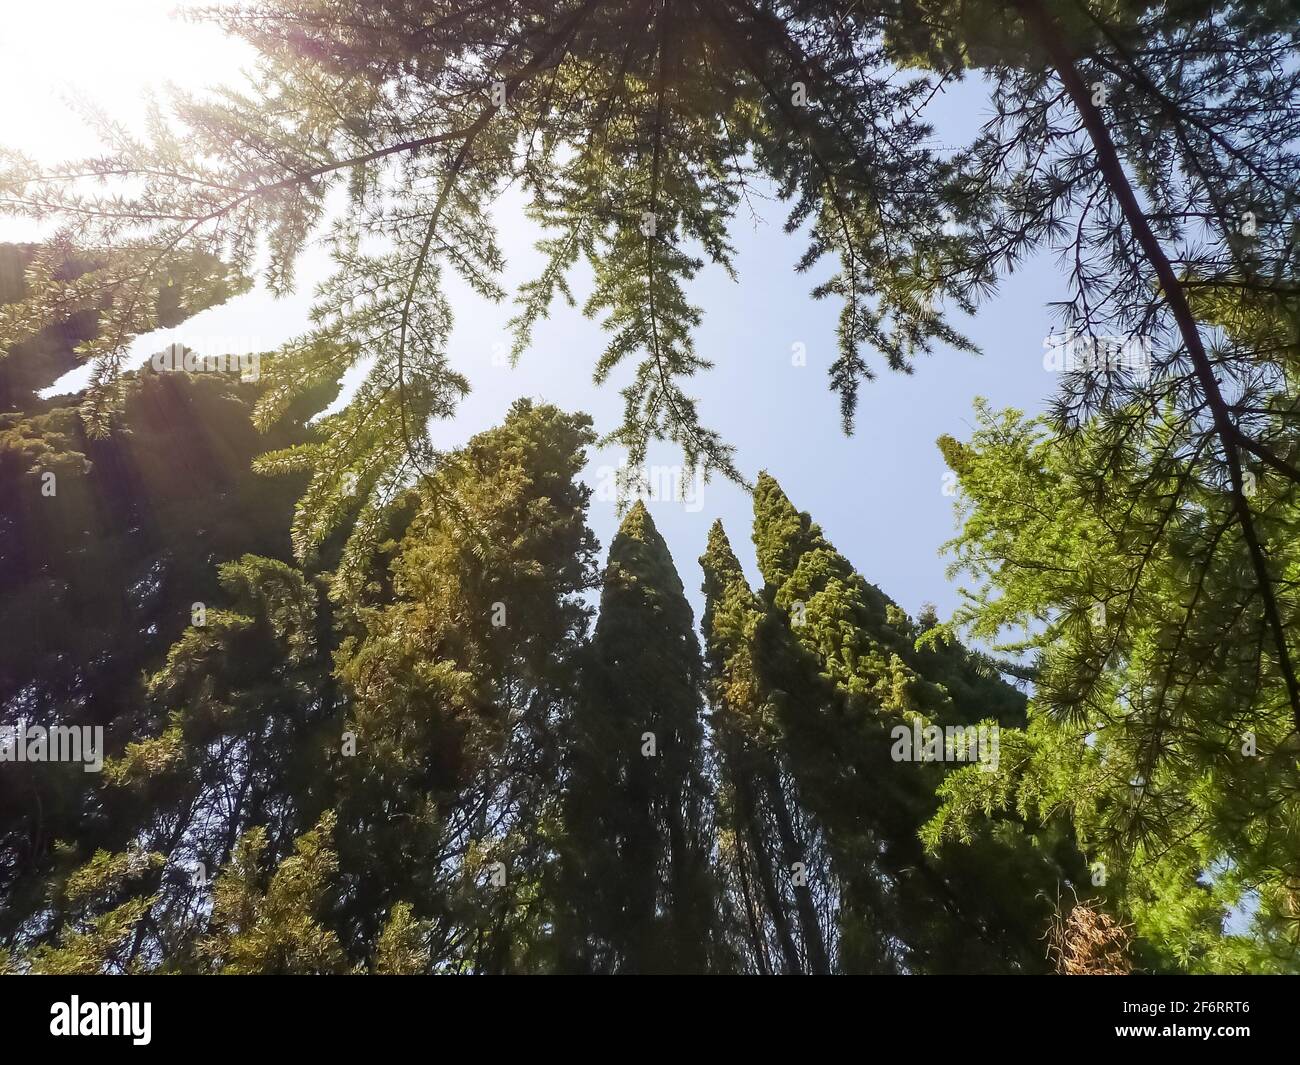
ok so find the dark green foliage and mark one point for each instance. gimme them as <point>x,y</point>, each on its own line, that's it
<point>768,843</point>
<point>376,762</point>
<point>38,362</point>
<point>34,364</point>
<point>358,798</point>
<point>106,544</point>
<point>836,661</point>
<point>639,893</point>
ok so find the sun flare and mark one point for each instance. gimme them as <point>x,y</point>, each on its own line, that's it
<point>108,53</point>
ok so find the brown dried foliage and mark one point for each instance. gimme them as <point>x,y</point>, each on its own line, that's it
<point>1089,943</point>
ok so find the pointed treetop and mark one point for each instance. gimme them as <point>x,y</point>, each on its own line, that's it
<point>719,560</point>
<point>637,522</point>
<point>639,559</point>
<point>638,544</point>
<point>727,594</point>
<point>782,534</point>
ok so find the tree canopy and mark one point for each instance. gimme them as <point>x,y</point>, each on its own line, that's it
<point>380,733</point>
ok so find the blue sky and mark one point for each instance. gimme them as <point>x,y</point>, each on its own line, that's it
<point>878,495</point>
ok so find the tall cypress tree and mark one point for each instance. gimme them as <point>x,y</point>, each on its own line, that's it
<point>842,662</point>
<point>769,849</point>
<point>639,894</point>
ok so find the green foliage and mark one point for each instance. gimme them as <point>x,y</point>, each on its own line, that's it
<point>106,544</point>
<point>97,915</point>
<point>767,839</point>
<point>839,663</point>
<point>1160,722</point>
<point>403,944</point>
<point>274,927</point>
<point>376,761</point>
<point>638,893</point>
<point>458,668</point>
<point>636,132</point>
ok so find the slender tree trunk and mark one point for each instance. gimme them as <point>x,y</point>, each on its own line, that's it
<point>771,896</point>
<point>814,943</point>
<point>755,932</point>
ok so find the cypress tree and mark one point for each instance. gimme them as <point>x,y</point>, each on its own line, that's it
<point>639,894</point>
<point>767,832</point>
<point>842,662</point>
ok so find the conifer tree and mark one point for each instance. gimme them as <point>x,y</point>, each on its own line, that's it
<point>224,769</point>
<point>844,671</point>
<point>763,829</point>
<point>637,130</point>
<point>107,545</point>
<point>638,890</point>
<point>459,664</point>
<point>1155,726</point>
<point>634,130</point>
<point>373,774</point>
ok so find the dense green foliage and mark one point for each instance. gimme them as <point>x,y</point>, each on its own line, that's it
<point>812,677</point>
<point>420,759</point>
<point>1157,725</point>
<point>637,835</point>
<point>425,763</point>
<point>387,741</point>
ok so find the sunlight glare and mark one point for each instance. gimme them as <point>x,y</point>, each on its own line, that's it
<point>107,52</point>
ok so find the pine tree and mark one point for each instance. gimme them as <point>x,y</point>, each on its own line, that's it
<point>638,890</point>
<point>107,546</point>
<point>222,769</point>
<point>635,131</point>
<point>1154,726</point>
<point>369,756</point>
